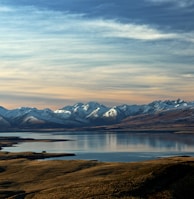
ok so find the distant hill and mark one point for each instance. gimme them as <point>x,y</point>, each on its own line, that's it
<point>161,114</point>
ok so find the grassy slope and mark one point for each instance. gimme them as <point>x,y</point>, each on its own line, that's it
<point>163,178</point>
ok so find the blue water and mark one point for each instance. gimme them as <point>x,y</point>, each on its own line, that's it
<point>112,147</point>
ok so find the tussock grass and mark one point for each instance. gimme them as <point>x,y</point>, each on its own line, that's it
<point>163,178</point>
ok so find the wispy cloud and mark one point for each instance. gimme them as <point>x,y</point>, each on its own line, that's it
<point>110,28</point>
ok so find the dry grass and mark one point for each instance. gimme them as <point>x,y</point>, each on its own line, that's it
<point>164,178</point>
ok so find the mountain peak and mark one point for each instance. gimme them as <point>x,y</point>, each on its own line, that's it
<point>179,101</point>
<point>90,113</point>
<point>2,108</point>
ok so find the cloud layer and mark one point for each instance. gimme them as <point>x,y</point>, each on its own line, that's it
<point>58,56</point>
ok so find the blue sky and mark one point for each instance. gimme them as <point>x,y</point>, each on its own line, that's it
<point>54,53</point>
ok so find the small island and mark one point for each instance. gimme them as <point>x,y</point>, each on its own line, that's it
<point>10,141</point>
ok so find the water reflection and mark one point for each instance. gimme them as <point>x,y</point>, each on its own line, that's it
<point>109,144</point>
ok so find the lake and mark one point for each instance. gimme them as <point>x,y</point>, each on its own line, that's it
<point>108,146</point>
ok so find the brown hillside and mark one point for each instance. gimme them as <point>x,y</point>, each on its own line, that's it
<point>163,119</point>
<point>164,178</point>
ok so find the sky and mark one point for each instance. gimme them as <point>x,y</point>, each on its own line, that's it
<point>57,53</point>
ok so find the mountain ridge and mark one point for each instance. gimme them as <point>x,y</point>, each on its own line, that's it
<point>95,114</point>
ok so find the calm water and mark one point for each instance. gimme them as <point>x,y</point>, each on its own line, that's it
<point>116,147</point>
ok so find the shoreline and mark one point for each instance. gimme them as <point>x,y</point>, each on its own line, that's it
<point>180,130</point>
<point>31,155</point>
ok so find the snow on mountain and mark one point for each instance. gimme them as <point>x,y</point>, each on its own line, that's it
<point>157,106</point>
<point>128,110</point>
<point>64,114</point>
<point>32,120</point>
<point>112,113</point>
<point>91,113</point>
<point>4,123</point>
<point>84,111</point>
<point>97,113</point>
<point>23,115</point>
<point>19,112</point>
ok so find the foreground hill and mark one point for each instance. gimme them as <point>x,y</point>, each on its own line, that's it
<point>163,178</point>
<point>92,114</point>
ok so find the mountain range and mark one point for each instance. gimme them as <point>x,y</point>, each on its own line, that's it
<point>166,113</point>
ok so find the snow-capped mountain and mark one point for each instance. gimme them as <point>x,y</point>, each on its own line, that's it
<point>82,115</point>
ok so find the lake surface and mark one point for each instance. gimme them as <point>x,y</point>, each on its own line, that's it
<point>112,147</point>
